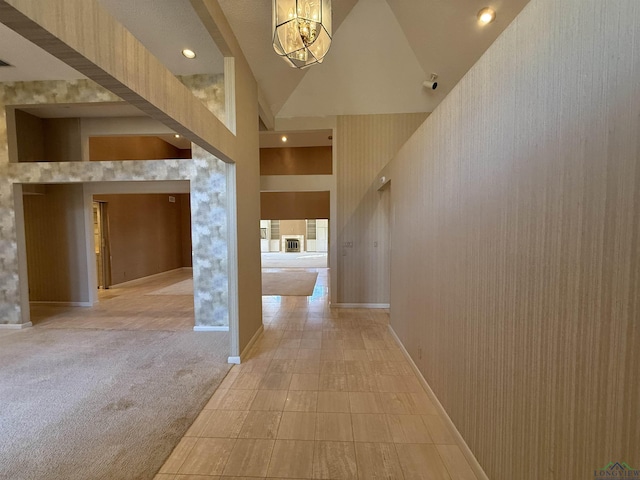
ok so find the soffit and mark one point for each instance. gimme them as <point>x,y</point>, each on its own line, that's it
<point>165,28</point>
<point>29,63</point>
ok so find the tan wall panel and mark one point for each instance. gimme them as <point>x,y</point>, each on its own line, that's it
<point>293,227</point>
<point>62,140</point>
<point>56,250</point>
<point>133,148</point>
<point>47,139</point>
<point>296,161</point>
<point>145,233</point>
<point>365,144</point>
<point>29,137</point>
<point>294,205</point>
<point>516,246</point>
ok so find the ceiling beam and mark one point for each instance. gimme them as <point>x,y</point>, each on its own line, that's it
<point>84,36</point>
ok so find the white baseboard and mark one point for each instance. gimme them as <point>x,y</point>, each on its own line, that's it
<point>360,305</point>
<point>15,326</point>
<point>466,451</point>
<point>63,304</point>
<point>207,328</point>
<point>136,281</point>
<point>247,349</point>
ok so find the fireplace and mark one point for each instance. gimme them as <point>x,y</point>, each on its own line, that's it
<point>292,245</point>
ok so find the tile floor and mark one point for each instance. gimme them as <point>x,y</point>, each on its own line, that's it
<point>325,394</point>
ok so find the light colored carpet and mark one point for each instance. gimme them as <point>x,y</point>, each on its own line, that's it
<point>294,260</point>
<point>185,287</point>
<point>285,283</point>
<point>289,283</point>
<point>96,404</point>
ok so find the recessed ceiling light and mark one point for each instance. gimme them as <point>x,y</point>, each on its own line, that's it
<point>284,138</point>
<point>177,136</point>
<point>189,53</point>
<point>486,16</point>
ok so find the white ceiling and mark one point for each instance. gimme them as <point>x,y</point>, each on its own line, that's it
<point>165,28</point>
<point>381,53</point>
<point>380,75</point>
<point>251,24</point>
<point>29,62</point>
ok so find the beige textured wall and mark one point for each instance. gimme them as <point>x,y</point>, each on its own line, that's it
<point>56,253</point>
<point>365,144</point>
<point>518,294</point>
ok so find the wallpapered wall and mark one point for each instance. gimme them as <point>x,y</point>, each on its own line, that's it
<point>518,294</point>
<point>206,173</point>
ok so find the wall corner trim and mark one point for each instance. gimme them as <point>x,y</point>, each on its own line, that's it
<point>466,451</point>
<point>247,349</point>
<point>210,328</point>
<point>360,305</point>
<point>15,326</point>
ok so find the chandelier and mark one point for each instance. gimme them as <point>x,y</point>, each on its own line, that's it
<point>302,31</point>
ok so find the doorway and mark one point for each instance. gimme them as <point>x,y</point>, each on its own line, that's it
<point>101,241</point>
<point>294,243</point>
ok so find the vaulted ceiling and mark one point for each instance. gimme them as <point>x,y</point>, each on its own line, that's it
<point>382,51</point>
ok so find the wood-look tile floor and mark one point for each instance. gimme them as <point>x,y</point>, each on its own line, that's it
<point>325,394</point>
<point>126,308</point>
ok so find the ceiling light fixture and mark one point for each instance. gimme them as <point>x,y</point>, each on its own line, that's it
<point>486,16</point>
<point>301,31</point>
<point>284,138</point>
<point>177,135</point>
<point>189,53</point>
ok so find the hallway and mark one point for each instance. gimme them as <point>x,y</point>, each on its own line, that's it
<point>325,394</point>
